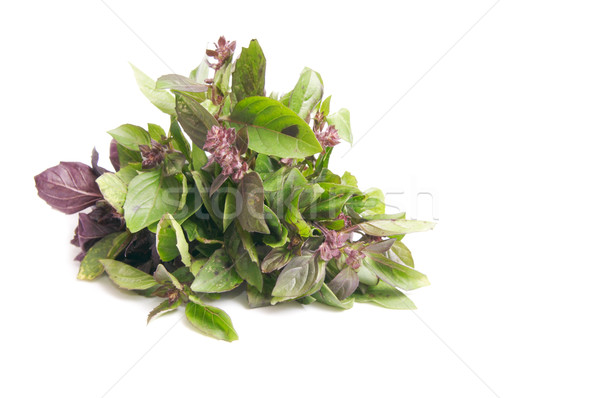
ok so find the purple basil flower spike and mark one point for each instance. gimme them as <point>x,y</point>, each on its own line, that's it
<point>334,241</point>
<point>354,258</point>
<point>220,141</point>
<point>328,137</point>
<point>223,51</point>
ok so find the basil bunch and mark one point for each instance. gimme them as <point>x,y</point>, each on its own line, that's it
<point>249,202</point>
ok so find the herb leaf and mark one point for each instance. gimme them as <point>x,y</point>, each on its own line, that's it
<point>126,276</point>
<point>344,283</point>
<point>163,100</point>
<point>303,275</point>
<point>394,227</point>
<point>170,241</point>
<point>210,321</point>
<point>395,274</point>
<point>274,129</point>
<point>252,218</point>
<point>216,275</point>
<point>164,306</point>
<point>341,121</point>
<point>307,93</point>
<point>194,118</point>
<point>248,79</point>
<point>130,136</point>
<point>326,296</point>
<point>401,254</point>
<point>150,196</point>
<point>385,296</point>
<point>113,189</point>
<point>108,247</point>
<point>69,187</point>
<point>276,259</point>
<point>180,83</point>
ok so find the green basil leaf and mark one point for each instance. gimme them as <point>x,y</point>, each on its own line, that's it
<point>344,283</point>
<point>108,247</point>
<point>241,248</point>
<point>251,216</point>
<point>210,321</point>
<point>230,209</point>
<point>197,264</point>
<point>274,129</point>
<point>327,297</point>
<point>302,276</point>
<point>150,195</point>
<point>276,259</point>
<point>285,99</point>
<point>307,93</point>
<point>192,204</point>
<point>179,141</point>
<point>349,180</point>
<point>194,118</point>
<point>248,79</point>
<point>257,298</point>
<point>284,187</point>
<point>156,132</point>
<point>163,100</point>
<point>341,121</point>
<point>327,207</point>
<point>394,227</point>
<point>129,158</point>
<point>170,241</point>
<point>183,275</point>
<point>248,270</point>
<point>278,235</point>
<point>199,158</point>
<point>385,296</point>
<point>217,275</point>
<point>380,247</point>
<point>130,136</point>
<point>114,190</point>
<point>401,254</point>
<point>324,108</point>
<point>393,273</point>
<point>162,276</point>
<point>296,222</point>
<point>165,306</point>
<point>309,195</point>
<point>371,217</point>
<point>247,242</point>
<point>173,164</point>
<point>126,276</point>
<point>367,277</point>
<point>370,203</point>
<point>180,83</point>
<point>264,164</point>
<point>222,78</point>
<point>203,186</point>
<point>127,173</point>
<point>200,73</point>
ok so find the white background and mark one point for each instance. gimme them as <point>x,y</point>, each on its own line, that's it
<point>500,130</point>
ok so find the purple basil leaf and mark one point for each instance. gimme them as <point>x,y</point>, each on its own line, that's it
<point>91,228</point>
<point>345,283</point>
<point>97,169</point>
<point>380,247</point>
<point>114,155</point>
<point>69,187</point>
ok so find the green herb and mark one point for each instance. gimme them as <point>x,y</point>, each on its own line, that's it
<point>249,203</point>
